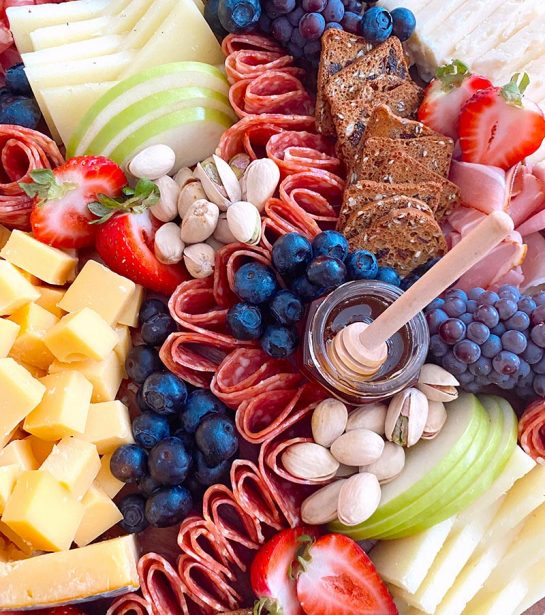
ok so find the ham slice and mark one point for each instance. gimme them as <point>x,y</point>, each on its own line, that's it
<point>482,187</point>
<point>533,267</point>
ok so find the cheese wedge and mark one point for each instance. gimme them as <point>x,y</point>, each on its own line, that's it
<point>504,601</point>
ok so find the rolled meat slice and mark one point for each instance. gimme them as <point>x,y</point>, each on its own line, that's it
<point>299,151</point>
<point>236,42</point>
<point>250,64</point>
<point>291,218</point>
<point>532,431</point>
<point>161,586</point>
<point>130,604</point>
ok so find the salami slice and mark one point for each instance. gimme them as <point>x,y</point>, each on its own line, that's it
<point>130,604</point>
<point>532,431</point>
<point>285,215</point>
<point>250,64</point>
<point>298,151</point>
<point>272,229</point>
<point>236,42</point>
<point>161,586</point>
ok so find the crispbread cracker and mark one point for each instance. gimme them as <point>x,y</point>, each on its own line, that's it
<point>384,123</point>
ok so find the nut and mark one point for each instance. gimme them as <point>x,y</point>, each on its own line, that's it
<point>212,176</point>
<point>200,221</point>
<point>239,163</point>
<point>153,162</point>
<point>345,471</point>
<point>437,384</point>
<point>260,181</point>
<point>228,179</point>
<point>184,176</point>
<point>359,498</point>
<point>358,447</point>
<point>168,245</point>
<point>389,464</point>
<point>321,506</point>
<point>244,222</point>
<point>370,416</point>
<point>406,417</point>
<point>190,193</point>
<point>166,208</point>
<point>214,243</point>
<point>223,232</point>
<point>328,421</point>
<point>199,260</point>
<point>437,416</point>
<point>309,461</point>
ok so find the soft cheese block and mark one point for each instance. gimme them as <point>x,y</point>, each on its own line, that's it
<point>8,477</point>
<point>48,264</point>
<point>129,314</point>
<point>100,514</point>
<point>19,453</point>
<point>49,298</point>
<point>8,334</point>
<point>106,480</point>
<point>29,347</point>
<point>15,289</point>
<point>108,426</point>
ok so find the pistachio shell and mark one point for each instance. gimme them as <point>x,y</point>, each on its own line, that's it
<point>437,417</point>
<point>166,208</point>
<point>359,498</point>
<point>184,176</point>
<point>370,416</point>
<point>321,506</point>
<point>199,222</point>
<point>437,383</point>
<point>309,461</point>
<point>328,421</point>
<point>260,181</point>
<point>406,417</point>
<point>244,222</point>
<point>191,192</point>
<point>168,245</point>
<point>223,232</point>
<point>239,163</point>
<point>207,173</point>
<point>358,447</point>
<point>228,178</point>
<point>153,162</point>
<point>389,464</point>
<point>199,260</point>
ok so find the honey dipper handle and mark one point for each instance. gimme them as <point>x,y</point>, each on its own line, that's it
<point>469,251</point>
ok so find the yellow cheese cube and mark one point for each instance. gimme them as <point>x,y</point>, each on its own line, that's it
<point>28,276</point>
<point>35,372</point>
<point>74,463</point>
<point>49,297</point>
<point>20,453</point>
<point>108,426</point>
<point>9,551</point>
<point>8,476</point>
<point>129,315</point>
<point>40,448</point>
<point>100,514</point>
<point>20,393</point>
<point>100,289</point>
<point>106,480</point>
<point>81,335</point>
<point>15,289</point>
<point>22,545</point>
<point>4,235</point>
<point>124,344</point>
<point>41,511</point>
<point>48,264</point>
<point>29,346</point>
<point>8,334</point>
<point>64,407</point>
<point>105,376</point>
<point>4,439</point>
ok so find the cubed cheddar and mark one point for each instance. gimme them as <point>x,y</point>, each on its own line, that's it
<point>9,551</point>
<point>29,347</point>
<point>100,514</point>
<point>64,407</point>
<point>129,315</point>
<point>15,289</point>
<point>8,476</point>
<point>20,393</point>
<point>8,334</point>
<point>4,235</point>
<point>124,344</point>
<point>105,376</point>
<point>40,448</point>
<point>28,276</point>
<point>48,264</point>
<point>49,298</point>
<point>106,480</point>
<point>100,289</point>
<point>19,453</point>
<point>81,335</point>
<point>35,372</point>
<point>6,438</point>
<point>108,426</point>
<point>41,511</point>
<point>20,543</point>
<point>74,463</point>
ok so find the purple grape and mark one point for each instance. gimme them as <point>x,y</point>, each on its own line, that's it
<point>452,330</point>
<point>482,380</point>
<point>334,10</point>
<point>527,304</point>
<point>487,315</point>
<point>467,351</point>
<point>466,377</point>
<point>284,6</point>
<point>297,39</point>
<point>295,16</point>
<point>457,293</point>
<point>436,303</point>
<point>491,347</point>
<point>454,307</point>
<point>518,321</point>
<point>508,384</point>
<point>538,315</point>
<point>489,297</point>
<point>281,29</point>
<point>466,318</point>
<point>514,341</point>
<point>453,365</point>
<point>351,22</point>
<point>478,332</point>
<point>533,353</point>
<point>506,363</point>
<point>311,26</point>
<point>334,25</point>
<point>354,6</point>
<point>473,387</point>
<point>539,385</point>
<point>539,367</point>
<point>506,308</point>
<point>294,50</point>
<point>270,10</point>
<point>526,382</point>
<point>314,6</point>
<point>499,329</point>
<point>471,306</point>
<point>476,293</point>
<point>524,369</point>
<point>265,23</point>
<point>538,335</point>
<point>312,49</point>
<point>540,297</point>
<point>435,318</point>
<point>507,289</point>
<point>497,378</point>
<point>438,348</point>
<point>481,367</point>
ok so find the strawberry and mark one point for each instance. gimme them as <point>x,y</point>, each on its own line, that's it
<point>499,127</point>
<point>125,243</point>
<point>60,216</point>
<point>338,578</point>
<point>444,97</point>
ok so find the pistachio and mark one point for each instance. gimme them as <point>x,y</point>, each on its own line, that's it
<point>228,178</point>
<point>437,384</point>
<point>223,232</point>
<point>259,182</point>
<point>359,498</point>
<point>244,222</point>
<point>239,163</point>
<point>309,461</point>
<point>321,506</point>
<point>358,447</point>
<point>184,176</point>
<point>406,417</point>
<point>214,243</point>
<point>207,172</point>
<point>370,416</point>
<point>199,260</point>
<point>345,471</point>
<point>328,421</point>
<point>200,221</point>
<point>190,193</point>
<point>168,245</point>
<point>166,208</point>
<point>437,416</point>
<point>153,162</point>
<point>388,465</point>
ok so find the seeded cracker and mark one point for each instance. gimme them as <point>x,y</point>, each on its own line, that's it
<point>384,123</point>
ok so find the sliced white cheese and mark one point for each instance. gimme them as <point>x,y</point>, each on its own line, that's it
<point>535,579</point>
<point>149,23</point>
<point>501,602</point>
<point>79,50</point>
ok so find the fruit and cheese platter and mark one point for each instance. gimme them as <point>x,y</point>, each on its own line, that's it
<point>244,245</point>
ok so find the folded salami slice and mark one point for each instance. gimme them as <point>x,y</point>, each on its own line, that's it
<point>161,586</point>
<point>130,604</point>
<point>236,42</point>
<point>291,218</point>
<point>531,430</point>
<point>249,64</point>
<point>299,151</point>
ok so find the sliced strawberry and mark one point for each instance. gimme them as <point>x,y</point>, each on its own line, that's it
<point>338,578</point>
<point>445,96</point>
<point>125,243</point>
<point>61,216</point>
<point>499,127</point>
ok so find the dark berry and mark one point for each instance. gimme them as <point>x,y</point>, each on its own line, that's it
<point>216,438</point>
<point>169,461</point>
<point>334,10</point>
<point>206,475</point>
<point>506,307</point>
<point>435,319</point>
<point>333,25</point>
<point>164,392</point>
<point>132,508</point>
<point>326,271</point>
<point>212,18</point>
<point>475,293</point>
<point>314,6</point>
<point>538,335</point>
<point>239,15</point>
<point>487,315</point>
<point>376,25</point>
<point>245,321</point>
<point>305,289</point>
<point>284,6</point>
<point>312,26</point>
<point>294,17</point>
<point>279,342</point>
<point>291,253</point>
<point>200,403</point>
<point>489,297</point>
<point>265,23</point>
<point>457,293</point>
<point>157,328</point>
<point>17,81</point>
<point>438,348</point>
<point>150,308</point>
<point>388,275</point>
<point>478,332</point>
<point>188,439</point>
<point>527,304</point>
<point>330,243</point>
<point>141,402</point>
<point>21,111</point>
<point>514,341</point>
<point>141,362</point>
<point>491,347</point>
<point>506,363</point>
<point>453,365</point>
<point>150,428</point>
<point>281,29</point>
<point>362,265</point>
<point>148,485</point>
<point>452,330</point>
<point>467,351</point>
<point>454,307</point>
<point>168,506</point>
<point>519,321</point>
<point>404,23</point>
<point>286,308</point>
<point>129,463</point>
<point>255,283</point>
<point>351,22</point>
<point>509,290</point>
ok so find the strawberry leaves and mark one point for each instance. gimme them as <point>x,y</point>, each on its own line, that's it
<point>452,75</point>
<point>134,200</point>
<point>44,186</point>
<point>513,91</point>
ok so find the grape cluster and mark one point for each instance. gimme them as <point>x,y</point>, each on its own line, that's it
<point>487,338</point>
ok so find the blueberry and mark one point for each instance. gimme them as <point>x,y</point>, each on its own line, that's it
<point>404,23</point>
<point>148,485</point>
<point>169,461</point>
<point>255,283</point>
<point>239,15</point>
<point>150,428</point>
<point>216,438</point>
<point>132,508</point>
<point>21,111</point>
<point>150,308</point>
<point>287,308</point>
<point>188,439</point>
<point>291,253</point>
<point>141,362</point>
<point>210,476</point>
<point>305,289</point>
<point>141,402</point>
<point>388,275</point>
<point>164,392</point>
<point>245,321</point>
<point>212,19</point>
<point>362,265</point>
<point>168,506</point>
<point>326,271</point>
<point>409,280</point>
<point>330,243</point>
<point>199,404</point>
<point>129,463</point>
<point>157,328</point>
<point>16,80</point>
<point>279,342</point>
<point>376,25</point>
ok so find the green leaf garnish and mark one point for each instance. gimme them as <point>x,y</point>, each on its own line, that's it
<point>513,91</point>
<point>452,75</point>
<point>134,200</point>
<point>44,186</point>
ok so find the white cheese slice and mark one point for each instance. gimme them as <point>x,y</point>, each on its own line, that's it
<point>536,72</point>
<point>149,23</point>
<point>504,601</point>
<point>79,50</point>
<point>535,579</point>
